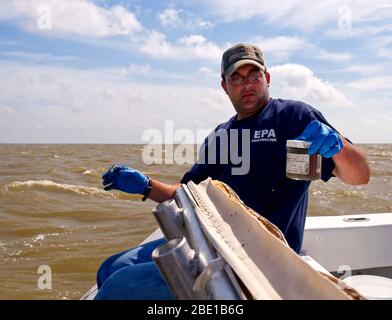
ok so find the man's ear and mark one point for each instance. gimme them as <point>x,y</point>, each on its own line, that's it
<point>223,84</point>
<point>268,77</point>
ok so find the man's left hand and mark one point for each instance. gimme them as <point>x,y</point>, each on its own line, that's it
<point>324,140</point>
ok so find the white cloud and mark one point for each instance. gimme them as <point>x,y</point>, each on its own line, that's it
<point>358,31</point>
<point>279,49</point>
<point>186,48</point>
<point>294,81</point>
<point>351,109</point>
<point>365,69</point>
<point>200,24</point>
<point>170,17</point>
<point>10,43</point>
<point>287,13</point>
<point>374,47</point>
<point>304,15</point>
<point>173,18</point>
<point>143,70</point>
<point>75,17</point>
<point>206,71</point>
<point>53,104</point>
<point>333,56</point>
<point>192,40</point>
<point>372,84</point>
<point>385,53</point>
<point>383,46</point>
<point>38,56</point>
<point>5,110</point>
<point>370,123</point>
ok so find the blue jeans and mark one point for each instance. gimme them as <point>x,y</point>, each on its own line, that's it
<point>132,275</point>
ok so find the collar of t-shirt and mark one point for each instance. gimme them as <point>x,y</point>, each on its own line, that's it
<point>233,122</point>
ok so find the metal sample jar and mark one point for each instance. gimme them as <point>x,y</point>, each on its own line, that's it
<point>299,164</point>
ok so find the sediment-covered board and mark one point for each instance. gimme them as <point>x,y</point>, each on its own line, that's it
<point>256,249</point>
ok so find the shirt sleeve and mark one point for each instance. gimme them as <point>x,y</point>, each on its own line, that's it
<point>196,174</point>
<point>199,170</point>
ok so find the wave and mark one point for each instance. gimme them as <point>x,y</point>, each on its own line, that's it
<point>381,154</point>
<point>49,185</point>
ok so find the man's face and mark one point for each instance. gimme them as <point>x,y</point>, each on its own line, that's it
<point>253,94</point>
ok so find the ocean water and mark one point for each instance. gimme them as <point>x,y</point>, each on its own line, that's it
<point>54,212</point>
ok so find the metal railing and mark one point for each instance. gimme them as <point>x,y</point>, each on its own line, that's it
<point>189,265</point>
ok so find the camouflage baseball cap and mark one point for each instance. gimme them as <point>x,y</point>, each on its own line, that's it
<point>239,55</point>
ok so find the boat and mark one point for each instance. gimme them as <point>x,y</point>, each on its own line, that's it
<point>352,250</point>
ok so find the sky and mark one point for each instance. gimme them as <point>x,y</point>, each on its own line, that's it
<point>84,71</point>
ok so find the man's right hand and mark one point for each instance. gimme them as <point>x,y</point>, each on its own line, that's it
<point>125,179</point>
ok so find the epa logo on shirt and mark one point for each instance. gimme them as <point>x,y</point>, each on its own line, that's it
<point>265,135</point>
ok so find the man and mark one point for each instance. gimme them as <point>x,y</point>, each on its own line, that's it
<point>265,187</point>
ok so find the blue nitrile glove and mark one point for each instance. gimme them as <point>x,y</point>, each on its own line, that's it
<point>125,179</point>
<point>324,140</point>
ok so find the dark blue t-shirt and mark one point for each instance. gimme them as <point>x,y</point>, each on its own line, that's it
<point>265,187</point>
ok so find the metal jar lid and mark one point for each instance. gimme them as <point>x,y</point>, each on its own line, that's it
<point>298,144</point>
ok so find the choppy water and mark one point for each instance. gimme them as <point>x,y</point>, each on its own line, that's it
<point>54,212</point>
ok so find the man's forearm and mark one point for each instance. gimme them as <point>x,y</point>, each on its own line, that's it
<point>351,165</point>
<point>162,191</point>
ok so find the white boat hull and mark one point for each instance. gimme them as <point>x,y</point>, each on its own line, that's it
<point>350,242</point>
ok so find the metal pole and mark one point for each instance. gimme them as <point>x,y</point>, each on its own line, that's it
<point>175,260</point>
